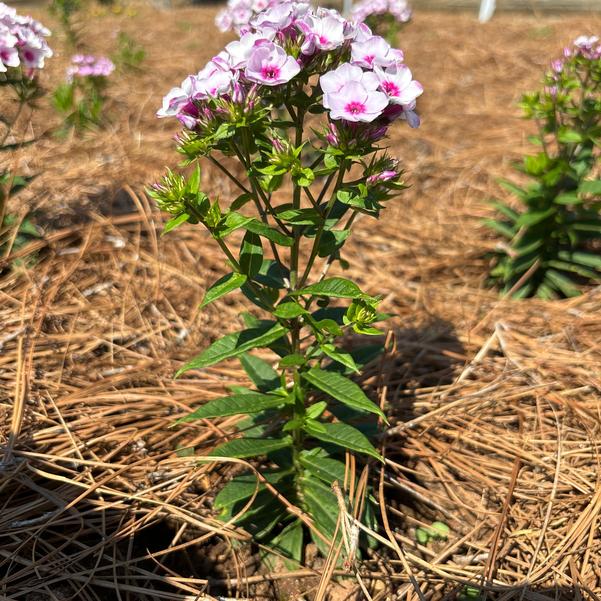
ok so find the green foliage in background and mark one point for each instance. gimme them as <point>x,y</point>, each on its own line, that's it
<point>553,238</point>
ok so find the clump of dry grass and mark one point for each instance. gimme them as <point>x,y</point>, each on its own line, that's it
<point>495,432</point>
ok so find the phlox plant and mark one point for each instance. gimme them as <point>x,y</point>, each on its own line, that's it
<point>384,17</point>
<point>302,103</point>
<point>553,240</point>
<point>23,50</point>
<point>80,100</point>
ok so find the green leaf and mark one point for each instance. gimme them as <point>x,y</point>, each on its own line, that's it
<point>590,187</point>
<point>251,254</point>
<point>263,376</point>
<point>333,287</point>
<point>439,530</point>
<point>243,486</point>
<point>235,405</point>
<point>288,543</point>
<point>339,356</point>
<point>342,435</point>
<point>533,217</point>
<point>240,201</point>
<point>289,310</point>
<point>175,222</point>
<point>235,344</point>
<point>331,241</point>
<point>228,283</point>
<point>321,503</point>
<point>315,410</point>
<point>561,282</point>
<point>569,136</point>
<point>574,268</point>
<point>499,226</point>
<point>242,448</point>
<point>324,468</point>
<point>298,216</point>
<point>232,221</point>
<point>293,360</point>
<point>272,274</point>
<point>587,259</point>
<point>422,536</point>
<point>261,229</point>
<point>567,198</point>
<point>342,389</point>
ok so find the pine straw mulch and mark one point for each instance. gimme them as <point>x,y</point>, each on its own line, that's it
<point>494,405</point>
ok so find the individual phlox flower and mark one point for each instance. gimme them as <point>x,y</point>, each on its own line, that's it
<point>269,65</point>
<point>351,94</point>
<point>321,33</point>
<point>398,84</point>
<point>375,51</point>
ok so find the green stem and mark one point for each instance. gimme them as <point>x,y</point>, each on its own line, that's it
<point>320,231</point>
<point>230,175</point>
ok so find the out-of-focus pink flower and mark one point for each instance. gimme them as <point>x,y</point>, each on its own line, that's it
<point>269,65</point>
<point>557,65</point>
<point>88,65</point>
<point>588,46</point>
<point>399,9</point>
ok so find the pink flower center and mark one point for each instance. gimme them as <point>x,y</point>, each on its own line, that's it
<point>323,39</point>
<point>270,72</point>
<point>391,88</point>
<point>369,58</point>
<point>29,55</point>
<point>355,108</point>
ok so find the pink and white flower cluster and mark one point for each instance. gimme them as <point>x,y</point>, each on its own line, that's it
<point>88,65</point>
<point>398,9</point>
<point>22,41</point>
<point>237,15</point>
<point>587,46</point>
<point>367,79</point>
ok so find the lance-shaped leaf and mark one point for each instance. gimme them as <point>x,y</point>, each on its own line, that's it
<point>251,254</point>
<point>324,468</point>
<point>261,229</point>
<point>288,543</point>
<point>175,222</point>
<point>289,310</point>
<point>342,389</point>
<point>243,486</point>
<point>235,405</point>
<point>264,377</point>
<point>250,447</point>
<point>339,356</point>
<point>228,283</point>
<point>342,435</point>
<point>333,287</point>
<point>235,344</point>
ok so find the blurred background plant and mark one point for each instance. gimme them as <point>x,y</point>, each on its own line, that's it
<point>129,54</point>
<point>237,15</point>
<point>64,11</point>
<point>23,50</point>
<point>81,99</point>
<point>383,17</point>
<point>553,240</point>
